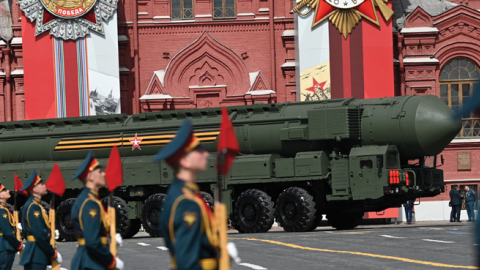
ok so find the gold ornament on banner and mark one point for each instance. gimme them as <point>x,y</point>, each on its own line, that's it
<point>344,14</point>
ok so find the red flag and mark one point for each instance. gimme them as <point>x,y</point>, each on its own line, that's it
<point>55,181</point>
<point>227,143</point>
<point>114,171</point>
<point>19,185</point>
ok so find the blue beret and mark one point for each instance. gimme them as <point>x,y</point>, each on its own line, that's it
<point>89,164</point>
<point>33,180</point>
<point>184,142</point>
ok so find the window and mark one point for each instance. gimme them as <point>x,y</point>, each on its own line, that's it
<point>366,164</point>
<point>458,79</point>
<point>182,9</point>
<point>392,160</point>
<point>223,9</point>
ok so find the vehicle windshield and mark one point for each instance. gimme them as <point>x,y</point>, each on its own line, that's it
<point>392,161</point>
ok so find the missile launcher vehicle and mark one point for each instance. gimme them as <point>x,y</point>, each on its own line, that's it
<point>298,161</point>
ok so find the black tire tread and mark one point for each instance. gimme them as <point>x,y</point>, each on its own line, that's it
<point>64,209</point>
<point>307,212</point>
<point>267,216</point>
<point>135,225</point>
<point>121,214</point>
<point>208,198</point>
<point>155,198</point>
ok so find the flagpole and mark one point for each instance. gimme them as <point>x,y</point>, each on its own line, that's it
<point>113,226</point>
<point>220,212</point>
<point>15,218</point>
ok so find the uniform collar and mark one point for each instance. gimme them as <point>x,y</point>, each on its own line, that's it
<point>3,204</point>
<point>192,186</point>
<point>37,200</point>
<point>93,192</point>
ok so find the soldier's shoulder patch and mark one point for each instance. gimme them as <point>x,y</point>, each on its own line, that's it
<point>190,218</point>
<point>93,213</point>
<point>5,215</point>
<point>36,214</point>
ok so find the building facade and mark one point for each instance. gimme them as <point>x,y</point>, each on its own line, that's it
<point>438,53</point>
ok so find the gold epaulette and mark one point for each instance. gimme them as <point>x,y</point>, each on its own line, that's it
<point>103,214</point>
<point>206,226</point>
<point>44,215</point>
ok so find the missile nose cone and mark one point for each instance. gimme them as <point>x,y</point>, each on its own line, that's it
<point>435,125</point>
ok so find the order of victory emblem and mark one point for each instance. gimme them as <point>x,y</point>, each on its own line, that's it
<point>344,14</point>
<point>68,19</point>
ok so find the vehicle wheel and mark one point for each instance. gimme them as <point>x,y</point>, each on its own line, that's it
<point>295,210</point>
<point>207,198</point>
<point>344,221</point>
<point>63,220</point>
<point>316,223</point>
<point>151,209</point>
<point>254,212</point>
<point>135,225</point>
<point>121,214</point>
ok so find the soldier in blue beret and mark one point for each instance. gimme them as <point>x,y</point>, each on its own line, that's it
<point>186,221</point>
<point>90,221</point>
<point>38,253</point>
<point>9,244</point>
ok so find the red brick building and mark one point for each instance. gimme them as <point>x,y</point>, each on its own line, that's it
<point>438,53</point>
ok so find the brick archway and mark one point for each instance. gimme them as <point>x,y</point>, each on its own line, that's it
<point>206,62</point>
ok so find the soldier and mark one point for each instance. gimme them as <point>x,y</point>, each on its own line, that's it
<point>38,252</point>
<point>186,221</point>
<point>9,244</point>
<point>90,221</point>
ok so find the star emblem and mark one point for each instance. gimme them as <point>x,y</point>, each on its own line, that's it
<point>66,25</point>
<point>316,86</point>
<point>136,142</point>
<point>5,216</point>
<point>366,10</point>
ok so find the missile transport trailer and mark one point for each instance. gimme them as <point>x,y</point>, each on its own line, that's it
<point>339,157</point>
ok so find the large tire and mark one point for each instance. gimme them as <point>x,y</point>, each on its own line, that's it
<point>151,209</point>
<point>344,221</point>
<point>63,220</point>
<point>135,225</point>
<point>121,214</point>
<point>254,212</point>
<point>207,198</point>
<point>295,210</point>
<point>316,223</point>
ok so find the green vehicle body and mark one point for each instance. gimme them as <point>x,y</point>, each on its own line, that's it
<point>297,160</point>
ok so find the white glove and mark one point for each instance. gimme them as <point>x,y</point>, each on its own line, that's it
<point>57,234</point>
<point>233,252</point>
<point>119,239</point>
<point>119,264</point>
<point>19,226</point>
<point>59,258</point>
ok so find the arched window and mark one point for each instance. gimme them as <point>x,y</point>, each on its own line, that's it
<point>458,79</point>
<point>223,9</point>
<point>182,9</point>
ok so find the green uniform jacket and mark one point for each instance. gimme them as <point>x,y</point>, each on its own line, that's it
<point>88,218</point>
<point>186,227</point>
<point>35,223</point>
<point>8,241</point>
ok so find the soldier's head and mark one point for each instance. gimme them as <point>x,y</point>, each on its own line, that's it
<point>4,193</point>
<point>34,185</point>
<point>184,152</point>
<point>467,188</point>
<point>91,172</point>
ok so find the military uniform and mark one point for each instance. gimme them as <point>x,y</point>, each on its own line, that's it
<point>9,244</point>
<point>90,224</point>
<point>470,198</point>
<point>38,253</point>
<point>186,220</point>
